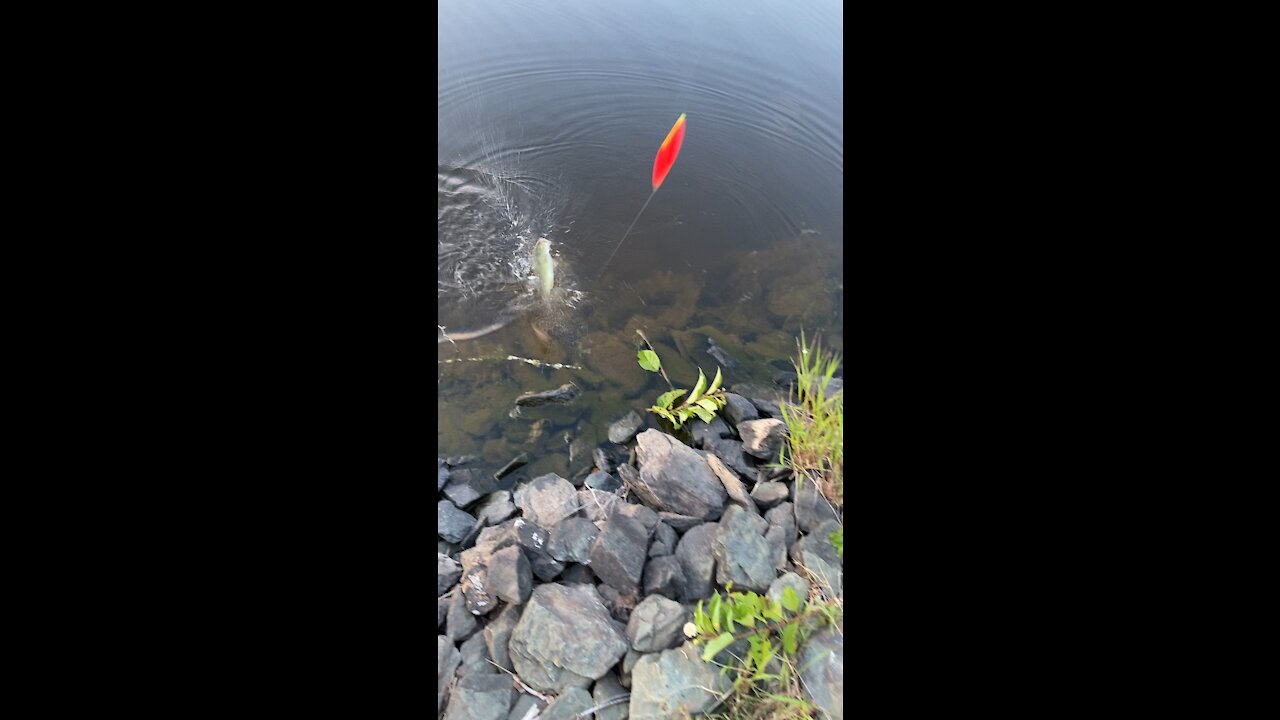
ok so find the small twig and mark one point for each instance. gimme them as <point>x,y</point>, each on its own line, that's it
<point>523,688</point>
<point>607,703</point>
<point>655,352</point>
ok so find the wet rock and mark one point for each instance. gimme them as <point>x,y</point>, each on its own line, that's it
<point>516,463</point>
<point>698,561</point>
<point>481,696</point>
<point>822,669</point>
<point>664,576</point>
<point>732,485</point>
<point>607,688</point>
<point>670,684</point>
<point>475,592</point>
<point>460,622</point>
<point>467,485</point>
<point>664,541</point>
<point>567,706</point>
<point>816,554</point>
<point>451,523</point>
<point>598,504</point>
<point>509,575</point>
<point>442,475</point>
<point>618,554</point>
<point>547,500</point>
<point>447,661</point>
<point>738,409</point>
<point>458,460</point>
<point>676,478</point>
<point>475,656</point>
<point>447,574</point>
<point>768,494</point>
<point>792,580</point>
<point>534,540</point>
<point>564,634</point>
<point>701,431</point>
<point>656,624</point>
<point>720,355</point>
<point>578,574</point>
<point>679,523</point>
<point>495,507</point>
<point>784,517</point>
<point>742,553</point>
<point>812,509</point>
<point>622,431</point>
<point>763,438</point>
<point>731,452</point>
<point>777,540</point>
<point>498,633</point>
<point>572,540</point>
<point>564,394</point>
<point>602,481</point>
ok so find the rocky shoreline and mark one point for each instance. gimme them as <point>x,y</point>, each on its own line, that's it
<point>563,596</point>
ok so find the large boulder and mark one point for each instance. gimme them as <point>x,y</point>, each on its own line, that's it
<point>675,478</point>
<point>564,635</point>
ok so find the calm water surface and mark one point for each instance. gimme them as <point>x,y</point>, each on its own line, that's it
<point>550,115</point>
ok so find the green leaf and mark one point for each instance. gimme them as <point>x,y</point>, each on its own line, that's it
<point>665,413</point>
<point>837,541</point>
<point>709,403</point>
<point>666,398</point>
<point>789,638</point>
<point>720,642</point>
<point>715,384</point>
<point>713,609</point>
<point>697,389</point>
<point>790,600</point>
<point>706,415</point>
<point>684,413</point>
<point>648,360</point>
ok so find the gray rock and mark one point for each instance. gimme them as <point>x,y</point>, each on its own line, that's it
<point>602,481</point>
<point>442,607</point>
<point>701,431</point>
<point>763,398</point>
<point>628,664</point>
<point>676,478</point>
<point>639,513</point>
<point>547,500</point>
<point>763,438</point>
<point>481,696</point>
<point>457,460</point>
<point>475,656</point>
<point>490,539</point>
<point>498,633</point>
<point>732,485</point>
<point>523,704</point>
<point>679,523</point>
<point>768,494</point>
<point>451,523</point>
<point>509,575</point>
<point>567,706</point>
<point>447,660</point>
<point>475,591</point>
<point>816,554</point>
<point>664,576</point>
<point>742,553</point>
<point>460,623</point>
<point>597,504</point>
<point>468,485</point>
<point>578,573</point>
<point>442,475</point>
<point>656,624</point>
<point>822,669</point>
<point>469,540</point>
<point>618,554</point>
<point>495,507</point>
<point>622,431</point>
<point>731,452</point>
<point>812,509</point>
<point>737,409</point>
<point>447,574</point>
<point>784,517</point>
<point>601,460</point>
<point>670,683</point>
<point>697,560</point>
<point>792,580</point>
<point>607,688</point>
<point>776,537</point>
<point>572,540</point>
<point>664,540</point>
<point>534,540</point>
<point>564,634</point>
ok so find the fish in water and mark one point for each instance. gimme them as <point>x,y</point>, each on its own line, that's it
<point>563,394</point>
<point>544,268</point>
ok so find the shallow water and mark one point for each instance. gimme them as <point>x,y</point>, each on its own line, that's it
<point>550,115</point>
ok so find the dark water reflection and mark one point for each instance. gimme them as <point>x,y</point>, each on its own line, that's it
<point>550,115</point>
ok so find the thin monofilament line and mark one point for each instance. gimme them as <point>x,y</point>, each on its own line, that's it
<point>625,234</point>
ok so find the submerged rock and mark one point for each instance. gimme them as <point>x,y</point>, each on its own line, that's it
<point>624,430</point>
<point>563,394</point>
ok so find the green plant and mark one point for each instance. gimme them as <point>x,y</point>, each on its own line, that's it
<point>766,683</point>
<point>814,449</point>
<point>703,402</point>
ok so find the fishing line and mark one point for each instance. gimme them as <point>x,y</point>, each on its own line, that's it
<point>628,232</point>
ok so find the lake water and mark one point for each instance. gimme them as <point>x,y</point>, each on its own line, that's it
<point>550,116</point>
